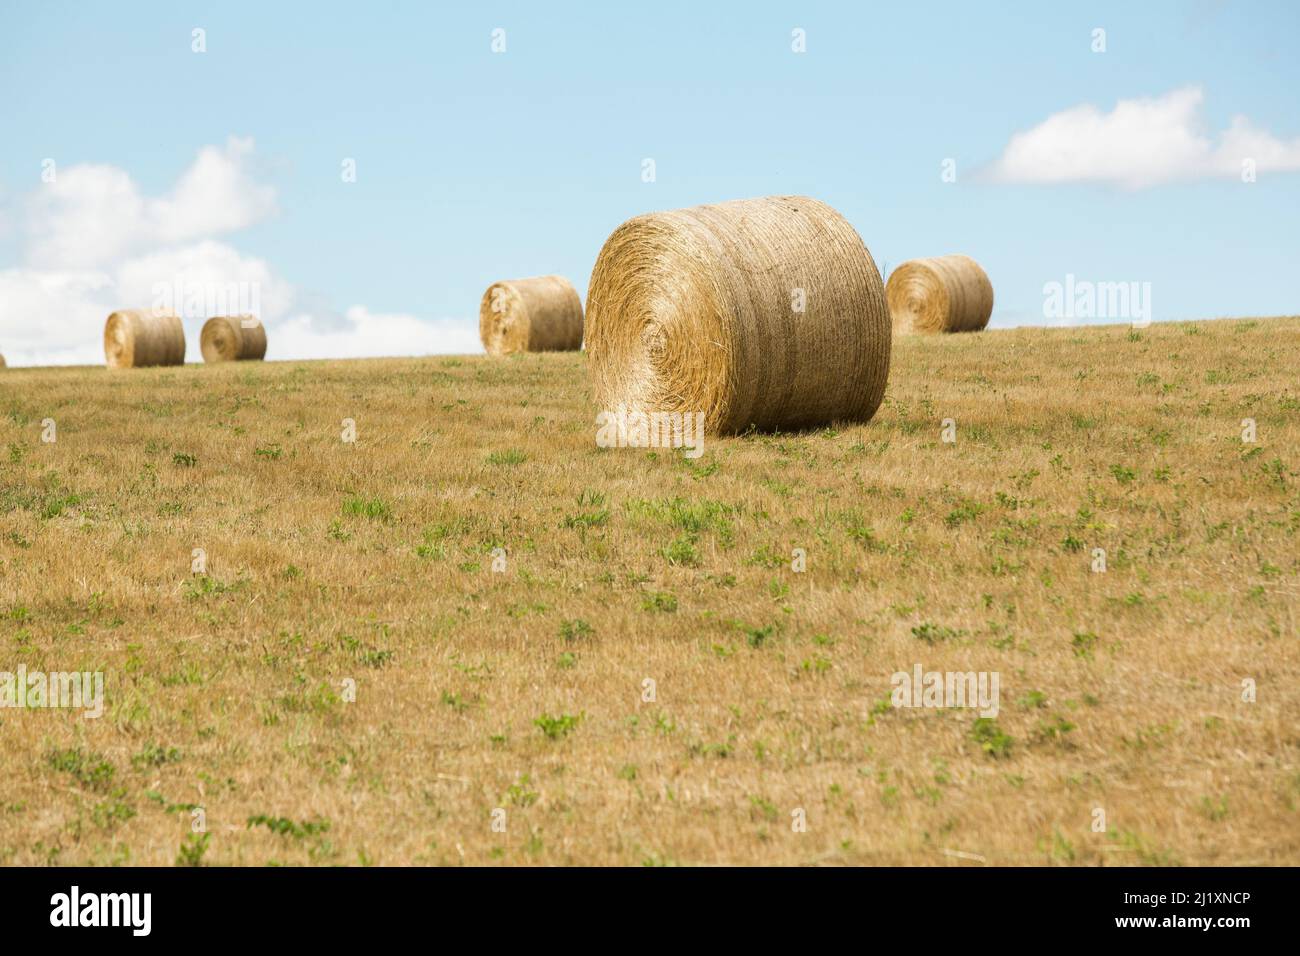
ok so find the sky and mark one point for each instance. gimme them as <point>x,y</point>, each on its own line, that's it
<point>363,171</point>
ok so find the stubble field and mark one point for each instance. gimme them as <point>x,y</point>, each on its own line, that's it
<point>355,677</point>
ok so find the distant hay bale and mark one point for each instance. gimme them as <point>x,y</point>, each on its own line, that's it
<point>942,294</point>
<point>767,312</point>
<point>543,314</point>
<point>135,338</point>
<point>233,338</point>
<point>2,361</point>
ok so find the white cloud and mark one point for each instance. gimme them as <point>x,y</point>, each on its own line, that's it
<point>91,215</point>
<point>53,318</point>
<point>216,195</point>
<point>211,268</point>
<point>1141,142</point>
<point>93,243</point>
<point>88,216</point>
<point>365,334</point>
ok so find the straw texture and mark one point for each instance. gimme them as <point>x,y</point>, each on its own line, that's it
<point>233,338</point>
<point>698,310</point>
<point>134,338</point>
<point>543,314</point>
<point>943,294</point>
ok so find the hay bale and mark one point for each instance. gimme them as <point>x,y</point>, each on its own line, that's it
<point>135,338</point>
<point>2,361</point>
<point>233,338</point>
<point>543,314</point>
<point>767,312</point>
<point>943,294</point>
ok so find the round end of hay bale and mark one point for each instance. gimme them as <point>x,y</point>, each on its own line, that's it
<point>940,294</point>
<point>227,338</point>
<point>540,314</point>
<point>654,311</point>
<point>502,320</point>
<point>918,299</point>
<point>119,340</point>
<point>761,312</point>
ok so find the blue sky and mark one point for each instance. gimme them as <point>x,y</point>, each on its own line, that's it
<point>474,166</point>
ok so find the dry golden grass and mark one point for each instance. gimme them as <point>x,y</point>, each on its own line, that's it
<point>372,562</point>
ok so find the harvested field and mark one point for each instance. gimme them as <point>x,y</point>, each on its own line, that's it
<point>353,677</point>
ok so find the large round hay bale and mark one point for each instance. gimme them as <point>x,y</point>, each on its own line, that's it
<point>767,312</point>
<point>942,294</point>
<point>233,338</point>
<point>134,338</point>
<point>543,314</point>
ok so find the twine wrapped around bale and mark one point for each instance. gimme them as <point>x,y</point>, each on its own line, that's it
<point>767,312</point>
<point>135,338</point>
<point>233,338</point>
<point>543,314</point>
<point>943,294</point>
